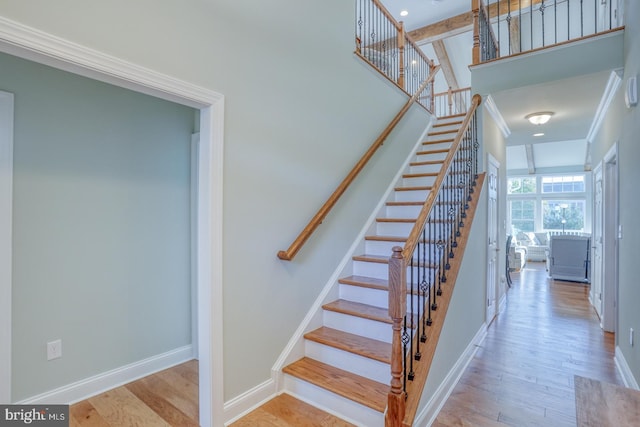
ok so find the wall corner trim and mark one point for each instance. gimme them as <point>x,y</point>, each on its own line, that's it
<point>625,370</point>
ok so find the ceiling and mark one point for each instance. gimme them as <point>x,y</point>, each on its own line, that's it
<point>564,144</point>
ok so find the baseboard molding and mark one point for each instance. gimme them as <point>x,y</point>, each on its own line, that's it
<point>97,384</point>
<point>241,405</point>
<point>625,371</point>
<point>427,416</point>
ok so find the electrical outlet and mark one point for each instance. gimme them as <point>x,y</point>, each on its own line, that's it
<point>631,337</point>
<point>54,349</point>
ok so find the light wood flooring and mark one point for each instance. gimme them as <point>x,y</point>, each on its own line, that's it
<point>522,374</point>
<point>167,398</point>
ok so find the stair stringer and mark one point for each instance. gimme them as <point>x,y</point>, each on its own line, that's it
<point>295,348</point>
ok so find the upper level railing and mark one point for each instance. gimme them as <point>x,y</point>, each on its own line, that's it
<point>508,27</point>
<point>383,43</point>
<point>452,102</point>
<point>420,271</point>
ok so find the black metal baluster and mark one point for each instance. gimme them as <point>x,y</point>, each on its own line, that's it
<point>409,322</point>
<point>555,21</point>
<point>541,9</point>
<point>520,24</point>
<point>581,18</point>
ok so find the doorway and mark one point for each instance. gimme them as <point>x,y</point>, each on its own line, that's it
<point>493,245</point>
<point>49,50</point>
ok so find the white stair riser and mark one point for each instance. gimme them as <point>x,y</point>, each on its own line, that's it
<point>430,157</point>
<point>411,196</point>
<point>394,228</point>
<point>350,362</point>
<point>357,325</point>
<point>419,181</point>
<point>402,211</point>
<point>438,146</point>
<point>430,168</point>
<point>374,297</point>
<point>331,402</point>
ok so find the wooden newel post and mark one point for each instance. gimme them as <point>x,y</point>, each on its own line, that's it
<point>397,310</point>
<point>432,69</point>
<point>475,10</point>
<point>401,55</point>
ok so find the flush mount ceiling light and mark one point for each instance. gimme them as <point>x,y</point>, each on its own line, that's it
<point>539,118</point>
<point>404,13</point>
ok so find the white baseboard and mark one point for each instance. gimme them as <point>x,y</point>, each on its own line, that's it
<point>428,415</point>
<point>241,405</point>
<point>97,384</point>
<point>625,371</point>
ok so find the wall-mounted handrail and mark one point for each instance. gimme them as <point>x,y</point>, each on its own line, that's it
<point>333,199</point>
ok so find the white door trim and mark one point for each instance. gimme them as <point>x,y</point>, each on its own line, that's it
<point>30,43</point>
<point>6,227</point>
<point>493,288</point>
<point>610,237</point>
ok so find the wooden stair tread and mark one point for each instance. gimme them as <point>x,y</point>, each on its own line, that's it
<point>441,150</point>
<point>402,220</point>
<point>438,141</point>
<point>365,282</point>
<point>405,203</point>
<point>442,132</point>
<point>378,238</point>
<point>452,116</point>
<point>358,309</point>
<point>420,175</point>
<point>372,258</point>
<point>418,188</point>
<point>359,389</point>
<point>356,344</point>
<point>453,123</point>
<point>428,162</point>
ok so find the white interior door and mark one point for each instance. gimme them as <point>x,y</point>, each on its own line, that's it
<point>596,242</point>
<point>6,209</point>
<point>493,246</point>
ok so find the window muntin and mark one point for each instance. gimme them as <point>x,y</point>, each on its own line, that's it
<point>563,184</point>
<point>523,216</point>
<point>521,185</point>
<point>563,214</point>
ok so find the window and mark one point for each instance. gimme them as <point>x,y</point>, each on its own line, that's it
<point>563,214</point>
<point>563,184</point>
<point>549,203</point>
<point>522,215</point>
<point>526,185</point>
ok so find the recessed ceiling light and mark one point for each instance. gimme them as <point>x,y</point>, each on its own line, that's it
<point>538,134</point>
<point>404,13</point>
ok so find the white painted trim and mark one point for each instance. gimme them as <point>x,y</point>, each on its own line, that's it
<point>241,405</point>
<point>33,44</point>
<point>97,384</point>
<point>493,110</point>
<point>294,349</point>
<point>625,371</point>
<point>614,82</point>
<point>6,232</point>
<point>193,226</point>
<point>428,415</point>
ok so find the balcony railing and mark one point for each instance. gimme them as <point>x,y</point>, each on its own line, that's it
<point>508,27</point>
<point>384,44</point>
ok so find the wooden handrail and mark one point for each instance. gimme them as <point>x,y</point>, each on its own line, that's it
<point>414,236</point>
<point>333,199</point>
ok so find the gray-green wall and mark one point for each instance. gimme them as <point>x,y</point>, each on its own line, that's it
<point>623,125</point>
<point>101,226</point>
<point>300,109</point>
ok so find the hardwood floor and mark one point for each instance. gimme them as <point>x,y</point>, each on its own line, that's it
<point>167,398</point>
<point>523,372</point>
<point>522,375</point>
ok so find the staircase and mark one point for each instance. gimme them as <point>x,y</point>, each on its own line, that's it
<point>346,367</point>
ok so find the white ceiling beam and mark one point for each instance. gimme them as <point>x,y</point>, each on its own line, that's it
<point>531,165</point>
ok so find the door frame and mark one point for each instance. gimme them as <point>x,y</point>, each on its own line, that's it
<point>610,236</point>
<point>597,223</point>
<point>6,227</point>
<point>492,161</point>
<point>35,45</point>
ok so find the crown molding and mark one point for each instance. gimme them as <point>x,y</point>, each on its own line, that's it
<point>491,107</point>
